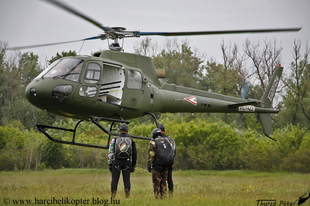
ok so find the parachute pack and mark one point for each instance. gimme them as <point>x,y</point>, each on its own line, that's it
<point>172,144</point>
<point>123,147</point>
<point>164,153</point>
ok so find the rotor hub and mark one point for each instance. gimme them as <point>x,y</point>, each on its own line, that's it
<point>118,29</point>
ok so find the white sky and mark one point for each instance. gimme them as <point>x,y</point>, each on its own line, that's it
<point>27,22</point>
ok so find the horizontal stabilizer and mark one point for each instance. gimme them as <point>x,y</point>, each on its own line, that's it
<point>243,104</point>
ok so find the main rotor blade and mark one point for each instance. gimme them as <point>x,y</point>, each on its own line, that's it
<point>52,44</point>
<point>77,13</point>
<point>189,33</point>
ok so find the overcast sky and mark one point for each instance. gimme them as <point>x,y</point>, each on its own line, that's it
<point>27,22</point>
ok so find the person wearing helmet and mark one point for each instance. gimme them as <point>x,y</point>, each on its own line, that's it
<point>159,154</point>
<point>122,156</point>
<point>173,146</point>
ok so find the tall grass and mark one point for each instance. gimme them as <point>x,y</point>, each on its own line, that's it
<point>191,187</point>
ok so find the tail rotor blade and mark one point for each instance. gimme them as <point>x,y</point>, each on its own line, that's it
<point>246,87</point>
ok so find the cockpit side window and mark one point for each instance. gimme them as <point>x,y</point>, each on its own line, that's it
<point>134,80</point>
<point>75,72</point>
<point>69,69</point>
<point>48,69</point>
<point>92,74</point>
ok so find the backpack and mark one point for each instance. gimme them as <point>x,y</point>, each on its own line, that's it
<point>164,153</point>
<point>123,147</point>
<point>172,144</point>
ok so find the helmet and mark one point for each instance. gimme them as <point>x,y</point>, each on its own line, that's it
<point>161,126</point>
<point>156,132</point>
<point>123,128</point>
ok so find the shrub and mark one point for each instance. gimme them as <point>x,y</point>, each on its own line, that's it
<point>298,161</point>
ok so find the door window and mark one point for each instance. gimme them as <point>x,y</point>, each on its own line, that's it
<point>92,74</point>
<point>88,91</point>
<point>134,80</point>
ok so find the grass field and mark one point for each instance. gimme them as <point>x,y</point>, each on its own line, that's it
<point>92,187</point>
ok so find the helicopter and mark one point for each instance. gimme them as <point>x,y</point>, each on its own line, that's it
<point>116,86</point>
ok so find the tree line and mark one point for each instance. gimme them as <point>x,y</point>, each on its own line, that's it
<point>204,141</point>
<point>202,144</point>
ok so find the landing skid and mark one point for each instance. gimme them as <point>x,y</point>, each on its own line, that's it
<point>96,121</point>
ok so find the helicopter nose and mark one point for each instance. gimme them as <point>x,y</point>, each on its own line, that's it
<point>44,93</point>
<point>31,95</point>
<point>34,93</point>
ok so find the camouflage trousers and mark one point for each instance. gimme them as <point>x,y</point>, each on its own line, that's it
<point>159,176</point>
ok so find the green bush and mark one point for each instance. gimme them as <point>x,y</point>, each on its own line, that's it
<point>297,162</point>
<point>201,145</point>
<point>261,154</point>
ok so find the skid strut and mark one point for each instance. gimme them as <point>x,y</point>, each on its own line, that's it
<point>96,121</point>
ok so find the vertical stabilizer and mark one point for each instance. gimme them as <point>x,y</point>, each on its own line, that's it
<point>272,87</point>
<point>265,118</point>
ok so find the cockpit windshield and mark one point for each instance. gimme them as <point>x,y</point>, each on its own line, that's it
<point>69,69</point>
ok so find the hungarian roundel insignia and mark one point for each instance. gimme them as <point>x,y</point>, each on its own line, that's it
<point>191,100</point>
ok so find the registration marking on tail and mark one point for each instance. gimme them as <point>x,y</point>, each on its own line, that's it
<point>247,109</point>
